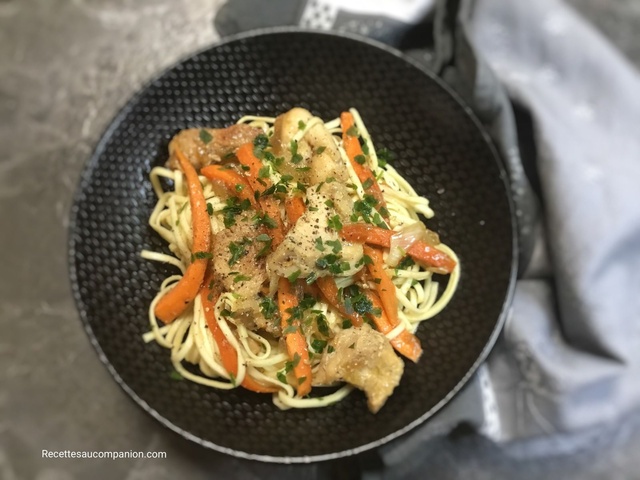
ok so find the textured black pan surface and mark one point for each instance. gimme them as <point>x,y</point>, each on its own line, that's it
<point>441,150</point>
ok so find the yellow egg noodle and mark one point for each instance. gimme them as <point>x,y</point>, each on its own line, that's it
<point>188,337</point>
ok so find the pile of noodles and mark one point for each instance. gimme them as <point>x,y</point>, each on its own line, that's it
<point>420,297</point>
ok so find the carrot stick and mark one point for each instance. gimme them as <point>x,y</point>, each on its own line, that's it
<point>295,341</point>
<point>405,343</point>
<point>294,206</point>
<point>232,180</point>
<point>329,291</point>
<point>268,205</point>
<point>182,294</point>
<point>419,251</point>
<point>353,149</point>
<point>228,354</point>
<point>253,164</point>
<point>385,287</point>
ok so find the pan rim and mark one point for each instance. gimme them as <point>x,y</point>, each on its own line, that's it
<point>91,164</point>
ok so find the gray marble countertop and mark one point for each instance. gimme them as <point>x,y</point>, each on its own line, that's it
<point>65,69</point>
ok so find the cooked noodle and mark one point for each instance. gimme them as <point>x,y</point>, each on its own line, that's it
<point>420,297</point>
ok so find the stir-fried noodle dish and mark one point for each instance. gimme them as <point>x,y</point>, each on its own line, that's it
<point>304,260</point>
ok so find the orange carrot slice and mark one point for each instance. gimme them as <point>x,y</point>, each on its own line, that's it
<point>419,251</point>
<point>295,341</point>
<point>182,294</point>
<point>356,156</point>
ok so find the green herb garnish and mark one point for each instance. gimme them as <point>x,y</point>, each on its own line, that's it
<point>294,276</point>
<point>200,256</point>
<point>238,250</point>
<point>205,136</point>
<point>268,307</point>
<point>335,223</point>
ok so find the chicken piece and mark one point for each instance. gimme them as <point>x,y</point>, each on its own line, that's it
<point>336,193</point>
<point>299,250</point>
<point>365,359</point>
<point>244,276</point>
<point>323,164</point>
<point>249,313</point>
<point>247,273</point>
<point>224,141</point>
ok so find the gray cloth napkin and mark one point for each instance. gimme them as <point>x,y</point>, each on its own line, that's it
<point>563,108</point>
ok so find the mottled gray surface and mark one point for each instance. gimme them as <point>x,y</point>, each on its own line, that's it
<point>65,68</point>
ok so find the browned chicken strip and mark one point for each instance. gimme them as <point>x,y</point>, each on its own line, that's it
<point>203,146</point>
<point>317,148</point>
<point>239,270</point>
<point>365,359</point>
<point>235,258</point>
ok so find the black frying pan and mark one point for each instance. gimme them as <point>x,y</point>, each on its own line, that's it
<point>441,150</point>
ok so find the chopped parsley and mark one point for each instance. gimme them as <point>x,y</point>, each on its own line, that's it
<point>266,239</point>
<point>333,263</point>
<point>296,359</point>
<point>301,380</point>
<point>330,349</point>
<point>329,203</point>
<point>365,209</point>
<point>364,145</point>
<point>239,187</point>
<point>347,324</point>
<point>384,157</point>
<point>241,278</point>
<point>209,209</point>
<point>307,302</point>
<point>365,260</point>
<point>200,256</point>
<point>300,188</point>
<point>352,131</point>
<point>301,125</point>
<point>368,183</point>
<point>355,301</point>
<point>330,179</point>
<point>264,172</point>
<point>205,136</point>
<point>319,150</point>
<point>323,326</point>
<point>268,307</point>
<point>360,159</point>
<point>175,375</point>
<point>294,276</point>
<point>335,245</point>
<point>290,329</point>
<point>335,223</point>
<point>311,278</point>
<point>282,377</point>
<point>234,207</point>
<point>319,245</point>
<point>318,345</point>
<point>264,219</point>
<point>295,156</point>
<point>259,144</point>
<point>405,263</point>
<point>238,250</point>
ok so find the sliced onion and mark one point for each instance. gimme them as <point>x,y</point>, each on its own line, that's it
<point>404,238</point>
